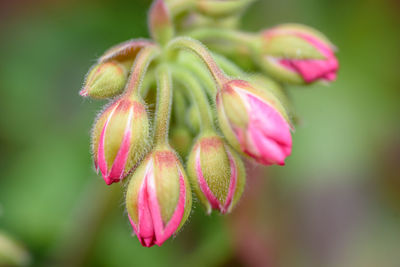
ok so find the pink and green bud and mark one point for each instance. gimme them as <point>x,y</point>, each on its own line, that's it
<point>222,8</point>
<point>120,138</point>
<point>105,80</point>
<point>254,122</point>
<point>298,54</point>
<point>158,198</point>
<point>216,173</point>
<point>160,24</point>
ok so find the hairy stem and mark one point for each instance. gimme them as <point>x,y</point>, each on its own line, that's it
<point>202,52</point>
<point>227,35</point>
<point>163,109</point>
<point>192,85</point>
<point>139,69</point>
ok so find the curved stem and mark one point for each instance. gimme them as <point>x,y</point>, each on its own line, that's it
<point>192,63</point>
<point>228,66</point>
<point>163,109</point>
<point>196,91</point>
<point>179,6</point>
<point>202,52</point>
<point>241,38</point>
<point>139,69</point>
<point>149,82</point>
<point>179,107</point>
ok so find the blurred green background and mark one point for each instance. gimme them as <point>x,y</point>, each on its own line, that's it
<point>335,203</point>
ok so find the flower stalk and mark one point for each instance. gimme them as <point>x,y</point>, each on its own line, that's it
<point>202,52</point>
<point>163,109</point>
<point>196,92</point>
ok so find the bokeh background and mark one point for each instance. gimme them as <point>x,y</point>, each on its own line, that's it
<point>335,203</point>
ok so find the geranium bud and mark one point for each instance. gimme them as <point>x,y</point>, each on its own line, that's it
<point>158,198</point>
<point>181,140</point>
<point>221,8</point>
<point>120,138</point>
<point>216,173</point>
<point>160,24</point>
<point>254,122</point>
<point>298,54</point>
<point>105,80</point>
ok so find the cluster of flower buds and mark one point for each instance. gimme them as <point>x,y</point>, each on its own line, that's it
<point>208,109</point>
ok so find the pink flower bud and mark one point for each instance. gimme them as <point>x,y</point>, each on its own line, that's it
<point>298,54</point>
<point>254,123</point>
<point>158,198</point>
<point>120,138</point>
<point>216,172</point>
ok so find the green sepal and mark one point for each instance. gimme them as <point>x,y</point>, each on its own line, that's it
<point>290,46</point>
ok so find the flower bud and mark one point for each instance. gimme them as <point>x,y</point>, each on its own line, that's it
<point>181,140</point>
<point>158,198</point>
<point>254,122</point>
<point>221,8</point>
<point>120,138</point>
<point>160,24</point>
<point>105,80</point>
<point>216,173</point>
<point>298,54</point>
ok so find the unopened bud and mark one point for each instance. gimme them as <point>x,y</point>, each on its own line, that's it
<point>254,122</point>
<point>298,54</point>
<point>216,173</point>
<point>120,138</point>
<point>158,198</point>
<point>105,80</point>
<point>160,24</point>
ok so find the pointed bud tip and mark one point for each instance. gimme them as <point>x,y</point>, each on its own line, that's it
<point>83,92</point>
<point>160,23</point>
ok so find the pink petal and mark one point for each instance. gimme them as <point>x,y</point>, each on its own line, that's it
<point>101,159</point>
<point>162,232</point>
<point>232,184</point>
<point>314,69</point>
<point>214,202</point>
<point>145,228</point>
<point>118,168</point>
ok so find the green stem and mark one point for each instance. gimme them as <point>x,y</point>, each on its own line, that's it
<point>139,69</point>
<point>163,109</point>
<point>190,62</point>
<point>148,83</point>
<point>179,107</point>
<point>177,7</point>
<point>196,91</point>
<point>202,52</point>
<point>228,66</point>
<point>230,36</point>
